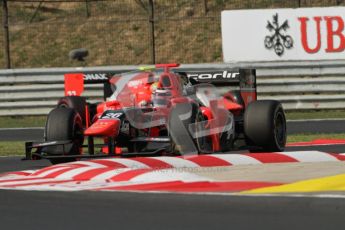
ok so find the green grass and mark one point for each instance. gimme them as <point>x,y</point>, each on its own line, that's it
<point>17,148</point>
<point>12,148</point>
<point>309,137</point>
<point>22,121</point>
<point>322,114</point>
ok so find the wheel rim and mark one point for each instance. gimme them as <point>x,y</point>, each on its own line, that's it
<point>280,129</point>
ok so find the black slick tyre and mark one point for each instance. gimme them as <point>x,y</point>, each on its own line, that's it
<point>265,125</point>
<point>64,124</point>
<point>74,102</point>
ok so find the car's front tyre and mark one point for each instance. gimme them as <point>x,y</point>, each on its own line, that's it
<point>64,124</point>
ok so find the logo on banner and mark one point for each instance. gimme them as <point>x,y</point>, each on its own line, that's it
<point>278,40</point>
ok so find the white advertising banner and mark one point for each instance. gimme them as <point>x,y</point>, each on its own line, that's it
<point>283,34</point>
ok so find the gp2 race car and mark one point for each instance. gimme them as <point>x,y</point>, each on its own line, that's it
<point>161,110</point>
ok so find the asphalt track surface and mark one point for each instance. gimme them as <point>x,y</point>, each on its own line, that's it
<point>120,210</point>
<point>125,210</point>
<point>293,127</point>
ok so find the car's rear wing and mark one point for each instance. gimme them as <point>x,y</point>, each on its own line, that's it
<point>226,80</point>
<point>74,83</point>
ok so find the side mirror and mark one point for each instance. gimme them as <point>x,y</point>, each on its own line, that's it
<point>78,54</point>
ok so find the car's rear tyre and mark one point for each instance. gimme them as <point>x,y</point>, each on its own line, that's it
<point>184,140</point>
<point>74,102</point>
<point>265,125</point>
<point>64,124</point>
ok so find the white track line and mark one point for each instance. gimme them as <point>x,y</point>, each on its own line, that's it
<point>72,173</point>
<point>238,159</point>
<point>310,156</point>
<point>37,180</point>
<point>177,162</point>
<point>84,164</point>
<point>167,175</point>
<point>109,174</point>
<point>53,170</point>
<point>133,164</point>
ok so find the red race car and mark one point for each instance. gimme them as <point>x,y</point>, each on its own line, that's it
<point>161,110</point>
